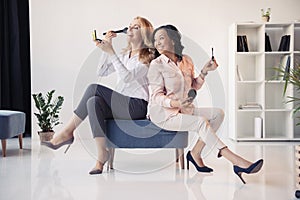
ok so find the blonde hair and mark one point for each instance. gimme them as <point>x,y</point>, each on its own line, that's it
<point>146,53</point>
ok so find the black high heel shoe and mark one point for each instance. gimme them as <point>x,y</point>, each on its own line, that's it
<point>57,146</point>
<point>255,167</point>
<point>189,158</point>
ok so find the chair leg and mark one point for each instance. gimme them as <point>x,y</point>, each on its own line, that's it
<point>181,157</point>
<point>3,143</point>
<point>111,159</point>
<point>176,155</point>
<point>21,141</point>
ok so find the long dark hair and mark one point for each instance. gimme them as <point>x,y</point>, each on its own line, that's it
<point>174,35</point>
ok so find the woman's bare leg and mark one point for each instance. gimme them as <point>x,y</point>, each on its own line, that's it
<point>196,152</point>
<point>68,131</point>
<point>102,153</point>
<point>234,158</point>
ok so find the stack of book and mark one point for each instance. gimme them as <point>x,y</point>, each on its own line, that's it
<point>250,106</point>
<point>242,44</point>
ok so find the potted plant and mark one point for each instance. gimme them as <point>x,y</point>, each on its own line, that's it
<point>265,15</point>
<point>47,115</point>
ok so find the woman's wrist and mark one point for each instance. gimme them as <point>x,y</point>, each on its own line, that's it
<point>111,52</point>
<point>201,76</point>
<point>204,72</point>
<point>174,104</point>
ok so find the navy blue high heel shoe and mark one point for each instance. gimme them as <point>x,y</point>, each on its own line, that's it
<point>255,167</point>
<point>189,158</point>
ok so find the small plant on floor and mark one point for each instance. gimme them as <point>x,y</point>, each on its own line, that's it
<point>47,115</point>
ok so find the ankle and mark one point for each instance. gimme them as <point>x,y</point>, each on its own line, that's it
<point>61,137</point>
<point>246,164</point>
<point>197,158</point>
<point>67,134</point>
<point>99,164</point>
<point>194,154</point>
<point>103,156</point>
<point>242,163</point>
<point>221,151</point>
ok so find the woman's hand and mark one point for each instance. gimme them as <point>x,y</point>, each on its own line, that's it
<point>106,47</point>
<point>109,35</point>
<point>181,103</point>
<point>210,66</point>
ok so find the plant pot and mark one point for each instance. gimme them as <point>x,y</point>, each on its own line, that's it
<point>46,136</point>
<point>265,18</point>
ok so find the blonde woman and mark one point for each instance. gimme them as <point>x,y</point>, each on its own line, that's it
<point>128,101</point>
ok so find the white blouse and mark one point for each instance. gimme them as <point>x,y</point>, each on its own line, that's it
<point>132,74</point>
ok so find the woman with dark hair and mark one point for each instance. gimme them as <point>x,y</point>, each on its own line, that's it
<point>130,99</point>
<point>171,77</point>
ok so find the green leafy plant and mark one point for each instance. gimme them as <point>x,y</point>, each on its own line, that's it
<point>48,110</point>
<point>292,77</point>
<point>267,13</point>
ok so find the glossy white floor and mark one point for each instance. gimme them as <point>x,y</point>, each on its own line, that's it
<point>39,173</point>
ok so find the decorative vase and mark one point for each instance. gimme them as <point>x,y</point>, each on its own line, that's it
<point>46,136</point>
<point>265,18</point>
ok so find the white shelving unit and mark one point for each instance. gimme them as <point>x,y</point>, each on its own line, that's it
<point>257,82</point>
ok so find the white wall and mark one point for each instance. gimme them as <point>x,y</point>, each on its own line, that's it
<point>61,35</point>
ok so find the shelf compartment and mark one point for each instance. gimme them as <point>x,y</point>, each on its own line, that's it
<point>272,61</point>
<point>245,124</point>
<point>249,67</point>
<point>274,96</point>
<point>278,125</point>
<point>254,36</point>
<point>250,93</point>
<point>276,31</point>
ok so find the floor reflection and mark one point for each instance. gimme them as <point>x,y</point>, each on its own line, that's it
<point>194,184</point>
<point>47,183</point>
<point>65,177</point>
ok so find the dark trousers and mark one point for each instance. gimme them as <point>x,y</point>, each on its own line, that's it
<point>100,103</point>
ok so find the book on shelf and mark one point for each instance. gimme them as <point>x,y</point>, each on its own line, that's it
<point>250,105</point>
<point>268,46</point>
<point>287,68</point>
<point>284,65</point>
<point>239,75</point>
<point>242,43</point>
<point>239,44</point>
<point>284,43</point>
